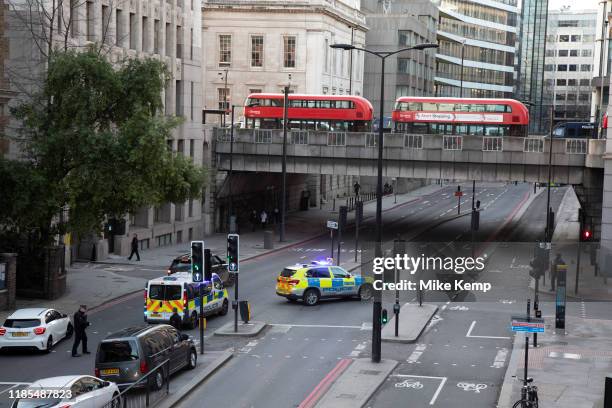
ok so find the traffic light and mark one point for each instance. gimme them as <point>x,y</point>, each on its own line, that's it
<point>384,318</point>
<point>233,243</point>
<point>197,261</point>
<point>207,265</point>
<point>586,234</point>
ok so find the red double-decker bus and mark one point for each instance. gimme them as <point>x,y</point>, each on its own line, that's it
<point>336,113</point>
<point>460,116</point>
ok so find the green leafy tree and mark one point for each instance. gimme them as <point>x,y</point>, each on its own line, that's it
<point>94,141</point>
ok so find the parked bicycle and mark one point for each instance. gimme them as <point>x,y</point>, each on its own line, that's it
<point>529,396</point>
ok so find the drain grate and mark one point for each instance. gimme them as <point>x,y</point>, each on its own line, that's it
<point>369,372</point>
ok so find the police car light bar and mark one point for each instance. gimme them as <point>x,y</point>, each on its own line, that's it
<point>326,262</point>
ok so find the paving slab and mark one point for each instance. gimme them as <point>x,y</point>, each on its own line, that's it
<point>412,321</point>
<point>250,329</point>
<point>356,385</point>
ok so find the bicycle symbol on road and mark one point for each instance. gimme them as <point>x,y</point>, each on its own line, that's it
<point>409,384</point>
<point>459,308</point>
<point>472,387</point>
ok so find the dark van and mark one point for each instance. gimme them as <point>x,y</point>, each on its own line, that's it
<point>575,130</point>
<point>128,355</point>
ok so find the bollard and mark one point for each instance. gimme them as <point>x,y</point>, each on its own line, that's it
<point>268,240</point>
<point>334,206</point>
<point>608,393</point>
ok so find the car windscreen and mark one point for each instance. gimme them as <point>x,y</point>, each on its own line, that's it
<point>287,273</point>
<point>37,403</point>
<point>21,323</point>
<point>182,267</point>
<point>117,351</point>
<point>165,292</point>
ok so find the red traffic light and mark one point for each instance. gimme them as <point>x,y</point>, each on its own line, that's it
<point>587,235</point>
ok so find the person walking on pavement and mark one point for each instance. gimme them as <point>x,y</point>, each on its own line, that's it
<point>276,215</point>
<point>554,271</point>
<point>175,320</point>
<point>356,188</point>
<point>263,218</point>
<point>134,248</point>
<point>254,219</point>
<point>80,324</point>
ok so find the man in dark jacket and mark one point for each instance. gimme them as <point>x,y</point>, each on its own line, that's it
<point>80,324</point>
<point>134,248</point>
<point>175,320</point>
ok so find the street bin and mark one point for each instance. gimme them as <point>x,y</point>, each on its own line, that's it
<point>268,240</point>
<point>245,310</point>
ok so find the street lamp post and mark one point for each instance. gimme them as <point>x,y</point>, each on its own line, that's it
<point>284,165</point>
<point>377,304</point>
<point>350,90</point>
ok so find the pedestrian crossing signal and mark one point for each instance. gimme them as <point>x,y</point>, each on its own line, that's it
<point>384,316</point>
<point>233,244</point>
<point>197,261</point>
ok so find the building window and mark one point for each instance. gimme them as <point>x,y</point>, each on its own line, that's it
<point>156,29</point>
<point>225,49</point>
<point>550,53</point>
<point>585,82</point>
<point>560,97</point>
<point>573,53</point>
<point>179,42</point>
<point>132,31</point>
<point>584,97</point>
<point>144,37</point>
<point>564,38</point>
<point>561,82</point>
<point>191,207</point>
<point>401,90</point>
<point>191,99</point>
<point>192,147</point>
<point>168,40</point>
<point>106,16</point>
<point>585,67</point>
<point>178,102</point>
<point>119,27</point>
<point>571,97</point>
<point>257,51</point>
<point>571,82</point>
<point>588,38</point>
<point>325,90</point>
<point>326,56</point>
<point>180,146</point>
<point>254,90</point>
<point>587,53</point>
<point>223,98</point>
<point>563,53</point>
<point>562,67</point>
<point>572,67</point>
<point>575,38</point>
<point>89,20</point>
<point>289,51</point>
<point>191,40</point>
<point>549,67</point>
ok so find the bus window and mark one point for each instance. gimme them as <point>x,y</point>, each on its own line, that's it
<point>415,106</point>
<point>570,132</point>
<point>446,107</point>
<point>274,102</point>
<point>325,104</point>
<point>493,131</point>
<point>430,106</point>
<point>461,129</point>
<point>253,102</point>
<point>477,130</point>
<point>477,108</point>
<point>462,108</point>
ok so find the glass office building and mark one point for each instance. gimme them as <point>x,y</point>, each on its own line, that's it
<point>477,48</point>
<point>532,49</point>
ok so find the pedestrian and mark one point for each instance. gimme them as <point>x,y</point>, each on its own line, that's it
<point>175,320</point>
<point>263,217</point>
<point>80,324</point>
<point>254,219</point>
<point>134,248</point>
<point>554,271</point>
<point>276,215</point>
<point>356,188</point>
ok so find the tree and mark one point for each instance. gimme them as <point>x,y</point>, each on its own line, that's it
<point>95,142</point>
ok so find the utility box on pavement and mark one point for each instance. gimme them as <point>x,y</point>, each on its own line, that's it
<point>608,392</point>
<point>268,240</point>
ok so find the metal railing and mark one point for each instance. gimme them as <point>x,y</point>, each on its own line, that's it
<point>533,145</point>
<point>142,394</point>
<point>336,139</point>
<point>452,142</point>
<point>492,144</point>
<point>262,135</point>
<point>299,137</point>
<point>576,146</point>
<point>371,140</point>
<point>413,141</point>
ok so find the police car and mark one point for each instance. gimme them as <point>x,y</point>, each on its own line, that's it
<point>178,291</point>
<point>319,279</point>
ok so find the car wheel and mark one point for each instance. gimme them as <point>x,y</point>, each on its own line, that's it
<point>224,308</point>
<point>365,292</point>
<point>49,344</point>
<point>311,297</point>
<point>193,359</point>
<point>158,380</point>
<point>116,401</point>
<point>69,330</point>
<point>193,321</point>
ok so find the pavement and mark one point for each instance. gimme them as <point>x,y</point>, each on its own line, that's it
<point>412,321</point>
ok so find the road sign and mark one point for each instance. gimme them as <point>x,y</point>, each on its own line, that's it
<point>527,324</point>
<point>458,193</point>
<point>332,224</point>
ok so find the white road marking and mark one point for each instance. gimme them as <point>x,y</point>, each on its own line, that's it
<point>366,326</point>
<point>469,334</point>
<point>462,308</point>
<point>500,358</point>
<point>416,354</point>
<point>472,387</point>
<point>325,326</point>
<point>435,396</point>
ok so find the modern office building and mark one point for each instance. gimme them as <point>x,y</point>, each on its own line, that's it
<point>169,30</point>
<point>477,41</point>
<point>570,51</point>
<point>530,63</point>
<point>391,27</point>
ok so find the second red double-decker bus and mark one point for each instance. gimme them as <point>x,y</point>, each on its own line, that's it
<point>336,113</point>
<point>460,116</point>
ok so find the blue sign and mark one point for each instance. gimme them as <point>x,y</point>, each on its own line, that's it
<point>527,324</point>
<point>233,267</point>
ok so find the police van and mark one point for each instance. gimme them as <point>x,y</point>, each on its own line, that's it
<point>164,294</point>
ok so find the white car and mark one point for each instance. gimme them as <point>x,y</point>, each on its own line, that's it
<point>74,391</point>
<point>36,327</point>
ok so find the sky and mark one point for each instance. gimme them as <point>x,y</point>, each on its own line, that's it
<point>575,5</point>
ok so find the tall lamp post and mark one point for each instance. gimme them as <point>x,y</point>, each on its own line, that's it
<point>350,90</point>
<point>284,160</point>
<point>224,77</point>
<point>377,304</point>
